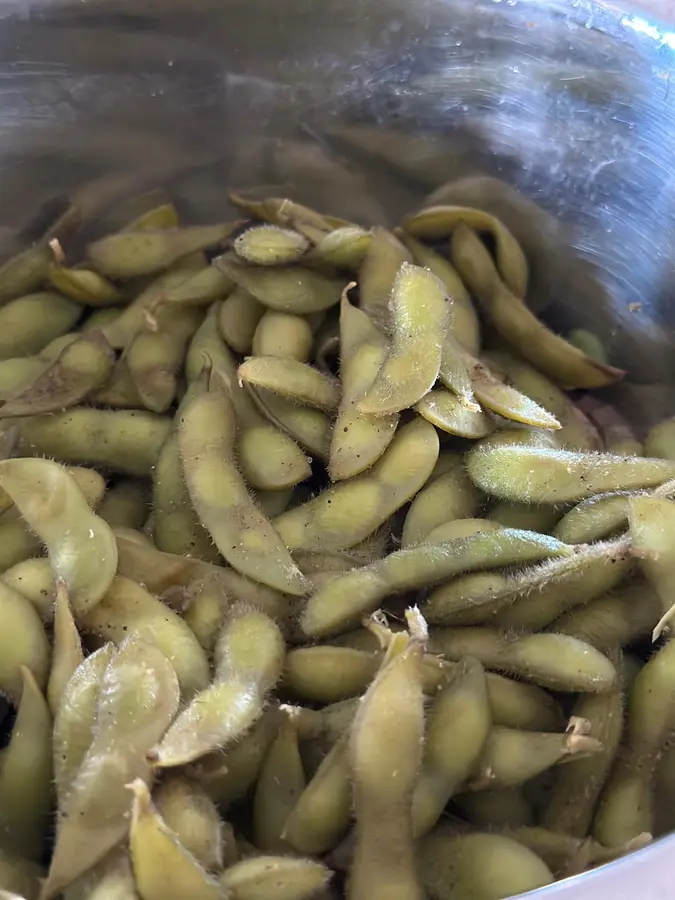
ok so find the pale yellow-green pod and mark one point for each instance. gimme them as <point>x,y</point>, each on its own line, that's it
<point>282,334</point>
<point>82,367</point>
<point>325,674</point>
<point>122,441</point>
<point>25,272</point>
<point>247,540</point>
<point>350,511</point>
<point>309,426</point>
<point>163,868</point>
<point>126,503</point>
<point>660,440</point>
<point>525,515</point>
<point>450,496</point>
<point>238,319</point>
<point>554,661</point>
<point>341,603</point>
<point>419,325</point>
<point>283,877</point>
<point>281,781</point>
<point>34,580</point>
<point>85,286</point>
<point>131,253</point>
<point>358,439</point>
<point>20,878</point>
<point>292,379</point>
<point>23,643</point>
<point>343,248</point>
<point>270,245</point>
<point>377,274</point>
<point>207,605</point>
<point>26,775</point>
<point>385,753</point>
<point>128,609</point>
<point>464,322</point>
<point>497,808</point>
<point>320,818</point>
<point>138,698</point>
<point>651,523</point>
<point>291,289</point>
<point>111,879</point>
<point>66,648</point>
<point>49,499</point>
<point>449,414</point>
<point>28,324</point>
<point>540,475</point>
<point>481,866</point>
<point>457,729</point>
<point>193,817</point>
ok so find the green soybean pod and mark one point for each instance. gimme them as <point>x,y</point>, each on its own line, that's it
<point>377,274</point>
<point>449,497</point>
<point>282,334</point>
<point>28,324</point>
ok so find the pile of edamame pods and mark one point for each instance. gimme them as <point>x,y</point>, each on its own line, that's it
<point>321,570</point>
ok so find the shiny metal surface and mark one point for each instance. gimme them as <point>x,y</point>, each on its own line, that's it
<point>570,102</point>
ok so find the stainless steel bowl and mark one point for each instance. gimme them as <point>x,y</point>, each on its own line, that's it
<point>569,102</point>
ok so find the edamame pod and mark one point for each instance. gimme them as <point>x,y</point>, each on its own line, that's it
<point>48,498</point>
<point>283,877</point>
<point>446,498</point>
<point>82,367</point>
<point>464,323</point>
<point>555,661</point>
<point>505,400</point>
<point>343,248</point>
<point>344,600</point>
<point>189,812</point>
<point>67,652</point>
<point>288,214</point>
<point>84,285</point>
<point>128,609</point>
<point>26,775</point>
<point>482,866</point>
<point>385,752</point>
<point>282,334</point>
<point>325,674</point>
<point>269,245</point>
<point>377,274</point>
<point>34,580</point>
<point>281,782</point>
<point>456,732</point>
<point>436,222</point>
<point>126,503</point>
<point>310,427</point>
<point>500,808</point>
<point>525,515</point>
<point>28,324</point>
<point>621,617</point>
<point>448,413</point>
<point>291,289</point>
<point>359,439</point>
<point>238,320</point>
<point>507,312</point>
<point>651,524</point>
<point>249,658</point>
<point>241,532</point>
<point>350,511</point>
<point>163,868</point>
<point>131,253</point>
<point>138,698</point>
<point>25,272</point>
<point>23,643</point>
<point>542,475</point>
<point>122,441</point>
<point>419,325</point>
<point>513,757</point>
<point>290,378</point>
<point>577,786</point>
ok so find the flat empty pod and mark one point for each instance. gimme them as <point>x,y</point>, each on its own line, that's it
<point>246,539</point>
<point>554,661</point>
<point>291,379</point>
<point>269,245</point>
<point>419,326</point>
<point>67,651</point>
<point>505,400</point>
<point>514,321</point>
<point>340,604</point>
<point>81,546</point>
<point>481,866</point>
<point>131,253</point>
<point>435,222</point>
<point>359,439</point>
<point>542,475</point>
<point>350,511</point>
<point>82,367</point>
<point>163,868</point>
<point>290,289</point>
<point>122,441</point>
